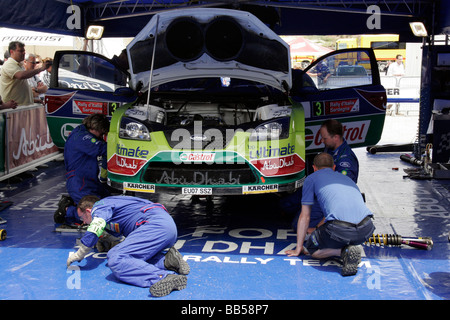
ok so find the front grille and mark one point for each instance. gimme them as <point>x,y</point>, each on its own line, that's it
<point>189,139</point>
<point>199,174</point>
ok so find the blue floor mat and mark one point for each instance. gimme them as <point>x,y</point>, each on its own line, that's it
<point>236,247</point>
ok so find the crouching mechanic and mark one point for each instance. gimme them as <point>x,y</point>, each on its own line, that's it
<point>348,222</point>
<point>148,229</point>
<point>81,151</point>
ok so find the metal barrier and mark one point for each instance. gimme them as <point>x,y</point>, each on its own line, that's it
<point>403,94</point>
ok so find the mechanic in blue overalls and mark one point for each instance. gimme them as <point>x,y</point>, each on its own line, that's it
<point>148,229</point>
<point>322,72</point>
<point>344,158</point>
<point>348,222</point>
<point>83,174</point>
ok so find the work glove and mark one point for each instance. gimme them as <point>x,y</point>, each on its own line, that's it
<point>106,242</point>
<point>103,175</point>
<point>79,255</point>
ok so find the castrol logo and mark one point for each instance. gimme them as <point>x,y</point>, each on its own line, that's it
<point>354,132</point>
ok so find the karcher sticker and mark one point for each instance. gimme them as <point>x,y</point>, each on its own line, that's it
<point>260,189</point>
<point>139,187</point>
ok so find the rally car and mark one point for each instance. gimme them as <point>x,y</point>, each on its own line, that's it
<point>205,102</point>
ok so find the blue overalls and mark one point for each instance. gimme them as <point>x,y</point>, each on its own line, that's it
<point>345,160</point>
<point>148,228</point>
<point>346,163</point>
<point>347,219</point>
<point>82,169</point>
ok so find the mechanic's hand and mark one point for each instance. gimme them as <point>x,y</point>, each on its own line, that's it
<point>293,253</point>
<point>79,255</point>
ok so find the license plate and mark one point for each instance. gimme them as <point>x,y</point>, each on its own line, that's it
<point>197,191</point>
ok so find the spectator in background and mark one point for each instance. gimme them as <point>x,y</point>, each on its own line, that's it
<point>397,69</point>
<point>45,75</point>
<point>37,86</point>
<point>6,55</point>
<point>38,61</point>
<point>14,78</point>
<point>322,72</point>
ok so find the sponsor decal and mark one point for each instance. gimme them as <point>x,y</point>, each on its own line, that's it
<point>54,103</point>
<point>113,227</point>
<point>140,187</point>
<point>269,151</point>
<point>354,132</point>
<point>67,128</point>
<point>125,165</point>
<point>197,178</point>
<point>260,189</point>
<point>130,152</point>
<point>279,166</point>
<point>334,107</point>
<point>197,157</point>
<point>309,137</point>
<point>89,107</point>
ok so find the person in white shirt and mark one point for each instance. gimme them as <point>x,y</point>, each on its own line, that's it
<point>45,75</point>
<point>37,86</point>
<point>397,69</point>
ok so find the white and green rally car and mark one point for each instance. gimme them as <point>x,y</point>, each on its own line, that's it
<point>215,107</point>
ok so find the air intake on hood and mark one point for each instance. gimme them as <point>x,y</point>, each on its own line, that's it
<point>223,39</point>
<point>184,39</point>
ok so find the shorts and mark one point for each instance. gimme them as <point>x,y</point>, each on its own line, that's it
<point>337,234</point>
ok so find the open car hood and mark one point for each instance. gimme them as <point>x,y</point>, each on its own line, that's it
<point>208,42</point>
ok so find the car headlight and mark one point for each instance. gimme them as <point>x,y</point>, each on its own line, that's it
<point>272,130</point>
<point>132,129</point>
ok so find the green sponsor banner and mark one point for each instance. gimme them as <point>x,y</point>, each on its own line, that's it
<point>60,128</point>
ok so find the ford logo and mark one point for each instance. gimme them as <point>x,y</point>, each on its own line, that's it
<point>198,137</point>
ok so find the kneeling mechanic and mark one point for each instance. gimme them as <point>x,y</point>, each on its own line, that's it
<point>348,222</point>
<point>148,229</point>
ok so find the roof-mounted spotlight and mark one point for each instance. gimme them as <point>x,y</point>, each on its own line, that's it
<point>418,29</point>
<point>94,32</point>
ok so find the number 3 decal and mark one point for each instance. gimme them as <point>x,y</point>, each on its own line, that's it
<point>318,109</point>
